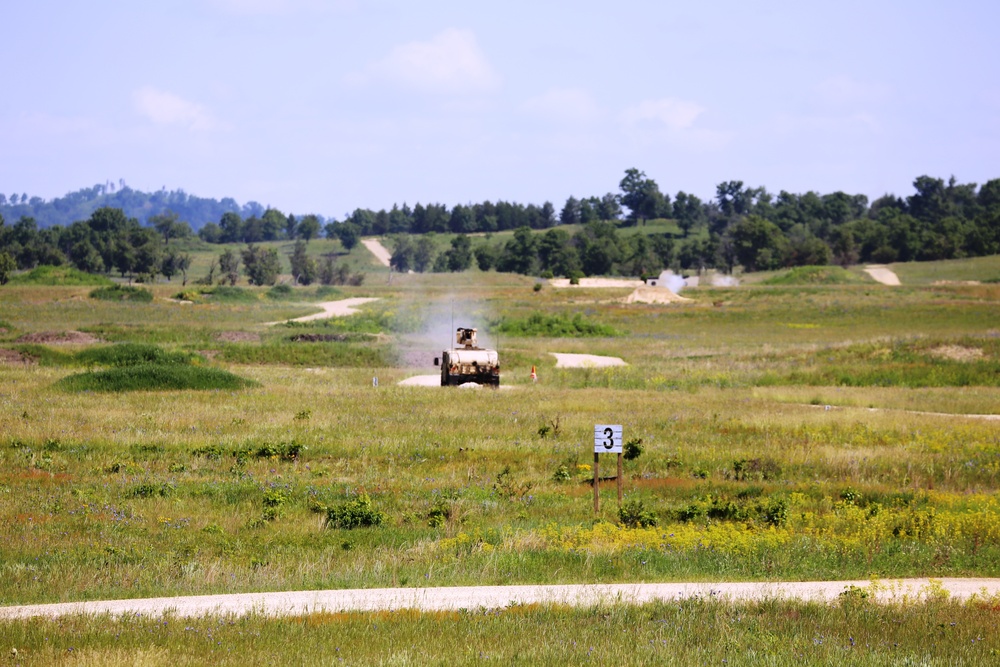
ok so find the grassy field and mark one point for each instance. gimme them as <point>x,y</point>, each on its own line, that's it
<point>788,432</point>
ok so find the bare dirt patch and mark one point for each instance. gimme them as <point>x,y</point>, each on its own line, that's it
<point>655,295</point>
<point>565,360</point>
<point>957,353</point>
<point>883,274</point>
<point>15,358</point>
<point>237,337</point>
<point>59,338</point>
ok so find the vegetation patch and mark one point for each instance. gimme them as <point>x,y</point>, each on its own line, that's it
<point>897,364</point>
<point>122,293</point>
<point>131,354</point>
<point>555,326</point>
<point>228,294</point>
<point>155,377</point>
<point>357,513</point>
<point>817,275</point>
<point>281,293</point>
<point>58,275</point>
<point>340,355</point>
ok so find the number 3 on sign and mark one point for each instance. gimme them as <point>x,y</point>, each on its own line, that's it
<point>608,439</point>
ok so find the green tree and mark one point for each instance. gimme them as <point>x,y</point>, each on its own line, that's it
<point>423,253</point>
<point>7,267</point>
<point>168,264</point>
<point>348,233</point>
<point>520,254</point>
<point>183,264</point>
<point>642,196</point>
<point>303,266</point>
<point>169,226</point>
<point>758,244</point>
<point>231,225</point>
<point>570,214</point>
<point>460,254</point>
<point>402,254</point>
<point>308,228</point>
<point>261,265</point>
<point>229,267</point>
<point>486,256</point>
<point>272,225</point>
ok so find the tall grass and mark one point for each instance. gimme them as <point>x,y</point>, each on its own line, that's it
<point>163,492</point>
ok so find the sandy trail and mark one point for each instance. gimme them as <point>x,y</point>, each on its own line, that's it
<point>332,309</point>
<point>376,248</point>
<point>475,597</point>
<point>565,360</point>
<point>882,274</point>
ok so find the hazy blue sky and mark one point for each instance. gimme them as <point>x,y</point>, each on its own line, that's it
<point>324,105</point>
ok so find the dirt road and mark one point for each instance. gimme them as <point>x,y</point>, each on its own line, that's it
<point>882,274</point>
<point>566,360</point>
<point>474,597</point>
<point>376,248</point>
<point>332,309</point>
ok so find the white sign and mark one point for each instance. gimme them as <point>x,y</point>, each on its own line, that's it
<point>608,439</point>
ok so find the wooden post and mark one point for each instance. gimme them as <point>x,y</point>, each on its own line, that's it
<point>619,480</point>
<point>597,483</point>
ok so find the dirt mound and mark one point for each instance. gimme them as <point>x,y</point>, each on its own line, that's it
<point>655,295</point>
<point>237,337</point>
<point>59,338</point>
<point>15,358</point>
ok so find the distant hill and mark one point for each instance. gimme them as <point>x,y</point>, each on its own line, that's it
<point>78,205</point>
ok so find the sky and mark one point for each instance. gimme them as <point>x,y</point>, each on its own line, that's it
<point>324,106</point>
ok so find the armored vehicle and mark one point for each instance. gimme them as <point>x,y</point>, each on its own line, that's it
<point>467,362</point>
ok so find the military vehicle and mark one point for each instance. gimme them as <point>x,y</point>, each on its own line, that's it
<point>467,362</point>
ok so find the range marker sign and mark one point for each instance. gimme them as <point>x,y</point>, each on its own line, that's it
<point>608,439</point>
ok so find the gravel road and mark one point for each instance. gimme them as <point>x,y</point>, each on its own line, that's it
<point>475,597</point>
<point>332,309</point>
<point>376,248</point>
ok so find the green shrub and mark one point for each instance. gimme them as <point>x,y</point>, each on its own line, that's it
<point>632,449</point>
<point>633,514</point>
<point>122,293</point>
<point>227,294</point>
<point>561,474</point>
<point>131,354</point>
<point>58,275</point>
<point>279,292</point>
<point>154,377</point>
<point>357,513</point>
<point>554,326</point>
<point>817,275</point>
<point>333,354</point>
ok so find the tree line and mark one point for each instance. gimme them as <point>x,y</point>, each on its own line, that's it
<point>142,206</point>
<point>110,242</point>
<point>741,225</point>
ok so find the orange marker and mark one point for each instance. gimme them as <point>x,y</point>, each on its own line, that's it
<point>534,375</point>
